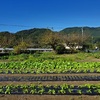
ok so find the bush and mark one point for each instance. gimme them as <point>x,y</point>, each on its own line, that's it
<point>60,49</point>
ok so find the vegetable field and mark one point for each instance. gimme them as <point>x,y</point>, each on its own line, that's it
<point>28,77</point>
<point>87,89</point>
<point>50,67</point>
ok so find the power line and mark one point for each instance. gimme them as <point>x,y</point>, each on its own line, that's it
<point>14,25</point>
<point>26,26</point>
<point>51,27</point>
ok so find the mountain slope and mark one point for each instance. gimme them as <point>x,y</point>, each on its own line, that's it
<point>94,31</point>
<point>33,35</point>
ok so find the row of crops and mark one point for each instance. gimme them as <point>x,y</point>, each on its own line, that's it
<point>46,66</point>
<point>51,89</point>
<point>50,78</point>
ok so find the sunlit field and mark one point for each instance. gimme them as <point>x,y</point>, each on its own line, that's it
<point>49,76</point>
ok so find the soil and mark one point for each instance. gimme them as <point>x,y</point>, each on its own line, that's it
<point>76,74</point>
<point>50,97</point>
<point>52,83</point>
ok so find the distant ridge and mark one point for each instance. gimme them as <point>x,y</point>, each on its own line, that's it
<point>94,31</point>
<point>35,32</point>
<point>33,35</point>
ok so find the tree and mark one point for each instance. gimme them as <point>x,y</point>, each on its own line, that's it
<point>74,40</point>
<point>6,39</point>
<point>52,39</point>
<point>22,46</point>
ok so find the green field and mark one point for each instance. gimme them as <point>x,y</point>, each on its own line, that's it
<point>50,74</point>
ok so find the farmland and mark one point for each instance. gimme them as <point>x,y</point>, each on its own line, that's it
<point>47,76</point>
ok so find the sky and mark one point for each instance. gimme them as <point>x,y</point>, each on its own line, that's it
<point>16,15</point>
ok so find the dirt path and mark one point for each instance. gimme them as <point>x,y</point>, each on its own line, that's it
<point>52,83</point>
<point>48,97</point>
<point>72,74</point>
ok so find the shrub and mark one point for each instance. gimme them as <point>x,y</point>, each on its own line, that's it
<point>60,49</point>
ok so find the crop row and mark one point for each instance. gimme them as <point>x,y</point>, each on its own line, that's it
<point>51,90</point>
<point>50,78</point>
<point>55,66</point>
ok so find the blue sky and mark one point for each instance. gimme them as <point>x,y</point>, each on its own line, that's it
<point>16,15</point>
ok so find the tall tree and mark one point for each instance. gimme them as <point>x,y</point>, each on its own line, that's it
<point>52,39</point>
<point>73,41</point>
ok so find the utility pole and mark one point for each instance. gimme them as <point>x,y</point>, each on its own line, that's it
<point>22,39</point>
<point>82,34</point>
<point>50,28</point>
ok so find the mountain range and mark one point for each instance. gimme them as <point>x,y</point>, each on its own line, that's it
<point>34,34</point>
<point>93,31</point>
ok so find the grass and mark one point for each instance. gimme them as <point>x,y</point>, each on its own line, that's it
<point>79,57</point>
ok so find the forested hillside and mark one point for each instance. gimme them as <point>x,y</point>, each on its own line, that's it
<point>94,31</point>
<point>33,36</point>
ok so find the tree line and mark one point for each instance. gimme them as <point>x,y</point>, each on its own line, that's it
<point>46,38</point>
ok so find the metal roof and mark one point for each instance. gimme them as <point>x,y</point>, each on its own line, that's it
<point>31,49</point>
